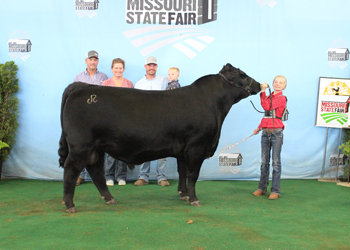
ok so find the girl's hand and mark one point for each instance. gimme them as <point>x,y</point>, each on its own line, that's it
<point>256,131</point>
<point>263,86</point>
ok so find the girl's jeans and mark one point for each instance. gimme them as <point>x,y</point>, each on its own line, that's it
<point>272,141</point>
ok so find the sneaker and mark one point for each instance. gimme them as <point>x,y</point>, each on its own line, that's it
<point>163,183</point>
<point>121,183</point>
<point>140,182</point>
<point>80,181</point>
<point>110,183</point>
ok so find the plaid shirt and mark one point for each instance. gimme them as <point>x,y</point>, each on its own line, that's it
<point>97,79</point>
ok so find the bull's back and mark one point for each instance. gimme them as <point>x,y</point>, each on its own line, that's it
<point>98,105</point>
<point>136,119</point>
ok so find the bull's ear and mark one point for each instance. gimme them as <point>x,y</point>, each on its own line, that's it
<point>227,66</point>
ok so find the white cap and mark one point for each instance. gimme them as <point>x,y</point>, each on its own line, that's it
<point>151,59</point>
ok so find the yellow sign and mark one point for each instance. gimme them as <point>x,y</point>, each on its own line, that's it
<point>337,88</point>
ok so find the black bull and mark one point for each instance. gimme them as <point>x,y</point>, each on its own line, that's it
<point>136,126</point>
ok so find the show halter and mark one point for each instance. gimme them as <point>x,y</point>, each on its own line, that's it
<point>247,88</point>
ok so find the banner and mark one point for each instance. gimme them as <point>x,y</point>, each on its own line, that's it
<point>49,40</point>
<point>333,102</point>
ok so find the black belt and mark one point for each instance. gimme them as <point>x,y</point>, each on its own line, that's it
<point>270,131</point>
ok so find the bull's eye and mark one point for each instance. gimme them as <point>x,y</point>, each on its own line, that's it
<point>243,75</point>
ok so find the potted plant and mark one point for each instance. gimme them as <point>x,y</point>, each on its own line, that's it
<point>346,150</point>
<point>8,108</point>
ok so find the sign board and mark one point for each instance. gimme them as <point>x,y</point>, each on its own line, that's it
<point>230,159</point>
<point>333,102</point>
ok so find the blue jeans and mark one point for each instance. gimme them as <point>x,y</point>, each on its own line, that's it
<point>112,165</point>
<point>85,175</point>
<point>160,170</point>
<point>272,141</point>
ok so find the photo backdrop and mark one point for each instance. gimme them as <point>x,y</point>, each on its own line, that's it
<point>49,39</point>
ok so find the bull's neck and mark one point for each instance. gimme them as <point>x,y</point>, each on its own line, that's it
<point>222,94</point>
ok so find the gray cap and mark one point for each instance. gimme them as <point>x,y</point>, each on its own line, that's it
<point>151,59</point>
<point>92,53</point>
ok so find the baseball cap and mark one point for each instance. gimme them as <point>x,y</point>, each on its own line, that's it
<point>92,53</point>
<point>151,59</point>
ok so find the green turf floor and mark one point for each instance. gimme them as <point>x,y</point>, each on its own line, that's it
<point>308,215</point>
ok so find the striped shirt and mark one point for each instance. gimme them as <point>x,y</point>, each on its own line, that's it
<point>97,79</point>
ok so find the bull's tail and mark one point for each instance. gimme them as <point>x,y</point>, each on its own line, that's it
<point>63,150</point>
<point>63,145</point>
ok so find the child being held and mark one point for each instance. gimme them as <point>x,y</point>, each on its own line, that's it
<point>173,75</point>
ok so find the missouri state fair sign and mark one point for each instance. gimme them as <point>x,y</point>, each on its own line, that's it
<point>171,12</point>
<point>333,102</point>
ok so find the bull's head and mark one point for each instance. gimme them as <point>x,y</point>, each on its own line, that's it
<point>240,79</point>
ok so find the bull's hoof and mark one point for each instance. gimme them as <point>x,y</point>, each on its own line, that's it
<point>111,202</point>
<point>71,210</point>
<point>63,203</point>
<point>196,203</point>
<point>184,198</point>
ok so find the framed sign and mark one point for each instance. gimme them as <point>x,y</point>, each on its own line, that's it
<point>333,102</point>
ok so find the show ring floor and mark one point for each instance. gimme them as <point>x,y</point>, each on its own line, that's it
<point>308,215</point>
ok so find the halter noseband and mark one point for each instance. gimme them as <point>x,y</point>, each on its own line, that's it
<point>247,88</point>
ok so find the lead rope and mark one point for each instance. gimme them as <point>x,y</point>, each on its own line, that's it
<point>231,146</point>
<point>255,107</point>
<point>273,115</point>
<point>273,121</point>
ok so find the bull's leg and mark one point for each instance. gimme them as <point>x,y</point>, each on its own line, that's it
<point>71,174</point>
<point>97,174</point>
<point>192,176</point>
<point>193,167</point>
<point>182,187</point>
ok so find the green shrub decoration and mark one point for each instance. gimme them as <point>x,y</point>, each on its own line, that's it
<point>8,107</point>
<point>3,145</point>
<point>346,151</point>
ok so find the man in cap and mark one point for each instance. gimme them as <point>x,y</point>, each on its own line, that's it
<point>152,81</point>
<point>91,76</point>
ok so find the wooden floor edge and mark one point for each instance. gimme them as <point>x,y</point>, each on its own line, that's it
<point>344,184</point>
<point>328,180</point>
